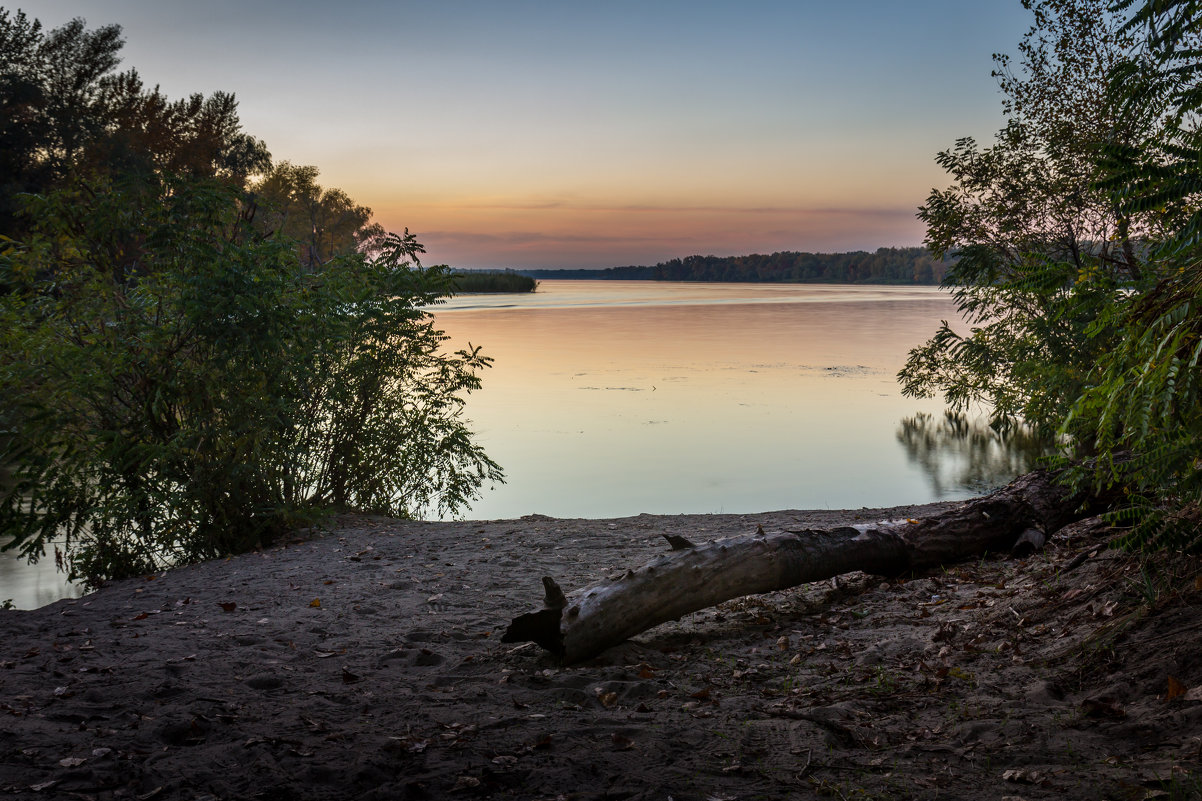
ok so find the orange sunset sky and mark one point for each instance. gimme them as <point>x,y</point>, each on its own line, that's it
<point>573,134</point>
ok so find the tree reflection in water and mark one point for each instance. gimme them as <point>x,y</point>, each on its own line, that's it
<point>962,455</point>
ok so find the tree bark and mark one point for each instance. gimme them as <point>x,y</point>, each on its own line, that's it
<point>581,624</point>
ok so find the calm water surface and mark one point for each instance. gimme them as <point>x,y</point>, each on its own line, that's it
<point>614,398</point>
<point>611,398</point>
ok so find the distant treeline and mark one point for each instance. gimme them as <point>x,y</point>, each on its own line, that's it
<point>507,281</point>
<point>885,266</point>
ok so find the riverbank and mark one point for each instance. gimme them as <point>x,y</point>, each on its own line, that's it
<point>365,662</point>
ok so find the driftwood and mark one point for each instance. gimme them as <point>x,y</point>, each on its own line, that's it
<point>581,624</point>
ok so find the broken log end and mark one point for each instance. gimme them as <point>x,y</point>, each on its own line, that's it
<point>1028,542</point>
<point>554,598</point>
<point>678,543</point>
<point>541,627</point>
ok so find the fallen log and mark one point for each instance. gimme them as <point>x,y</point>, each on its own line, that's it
<point>578,625</point>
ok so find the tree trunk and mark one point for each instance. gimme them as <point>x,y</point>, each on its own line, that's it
<point>691,577</point>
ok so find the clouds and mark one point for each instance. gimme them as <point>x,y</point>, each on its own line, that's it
<point>554,235</point>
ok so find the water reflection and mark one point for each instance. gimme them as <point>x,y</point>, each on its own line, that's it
<point>30,586</point>
<point>959,453</point>
<point>615,398</point>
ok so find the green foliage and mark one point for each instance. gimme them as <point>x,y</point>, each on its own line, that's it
<point>1032,345</point>
<point>182,387</point>
<point>1046,255</point>
<point>1144,405</point>
<point>64,111</point>
<point>324,222</point>
<point>493,282</point>
<point>1080,235</point>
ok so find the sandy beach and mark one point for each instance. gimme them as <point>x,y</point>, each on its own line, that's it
<point>365,662</point>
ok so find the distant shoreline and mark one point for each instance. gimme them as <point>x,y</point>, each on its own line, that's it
<point>885,266</point>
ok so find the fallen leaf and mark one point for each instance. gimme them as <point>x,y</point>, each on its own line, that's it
<point>646,671</point>
<point>1176,689</point>
<point>315,603</point>
<point>328,582</point>
<point>542,742</point>
<point>621,743</point>
<point>348,677</point>
<point>701,695</point>
<point>434,598</point>
<point>37,788</point>
<point>71,762</point>
<point>228,606</point>
<point>465,783</point>
<point>142,616</point>
<point>608,700</point>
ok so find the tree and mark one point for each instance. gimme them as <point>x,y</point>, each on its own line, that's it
<point>1146,397</point>
<point>219,392</point>
<point>66,111</point>
<point>324,222</point>
<point>1045,253</point>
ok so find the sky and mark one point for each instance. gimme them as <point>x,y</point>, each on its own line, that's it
<point>564,134</point>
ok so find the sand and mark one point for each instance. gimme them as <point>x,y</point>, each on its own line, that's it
<point>365,663</point>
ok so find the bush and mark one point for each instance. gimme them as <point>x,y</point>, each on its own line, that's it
<point>183,388</point>
<point>493,282</point>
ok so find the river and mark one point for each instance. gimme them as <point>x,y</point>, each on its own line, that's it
<point>613,398</point>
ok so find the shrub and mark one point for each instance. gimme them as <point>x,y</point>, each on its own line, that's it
<point>182,388</point>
